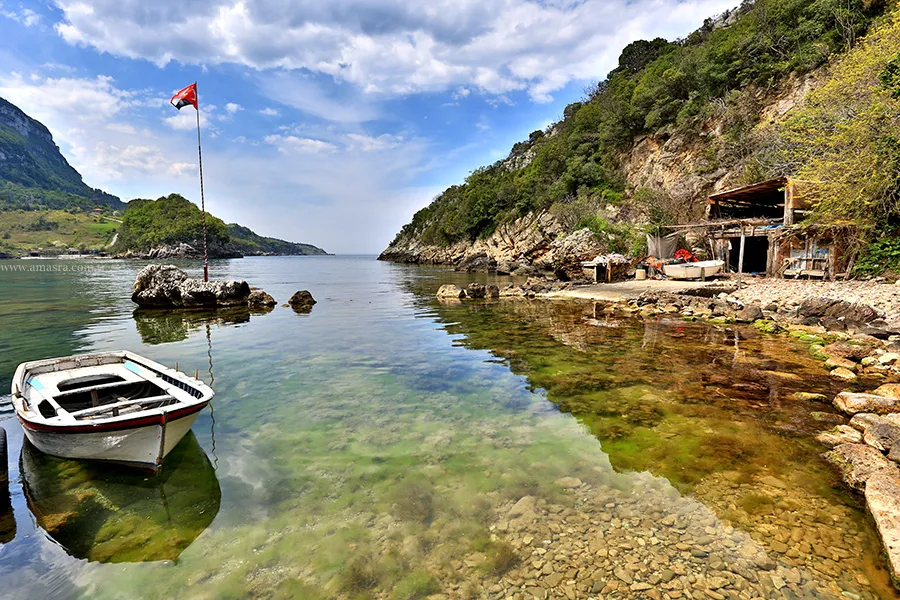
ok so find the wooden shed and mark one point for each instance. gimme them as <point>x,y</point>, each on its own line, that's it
<point>757,229</point>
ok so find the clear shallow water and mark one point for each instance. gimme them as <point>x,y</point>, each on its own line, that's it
<point>382,445</point>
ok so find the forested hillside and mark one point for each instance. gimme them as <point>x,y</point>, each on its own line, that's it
<point>251,243</point>
<point>33,173</point>
<point>702,99</point>
<point>174,220</point>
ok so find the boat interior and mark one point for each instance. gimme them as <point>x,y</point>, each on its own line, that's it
<point>104,391</point>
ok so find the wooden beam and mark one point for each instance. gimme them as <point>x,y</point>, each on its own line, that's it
<point>741,258</point>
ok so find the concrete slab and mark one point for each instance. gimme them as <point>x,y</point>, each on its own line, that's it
<point>623,291</point>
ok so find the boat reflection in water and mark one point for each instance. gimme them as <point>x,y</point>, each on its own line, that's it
<point>108,514</point>
<point>7,518</point>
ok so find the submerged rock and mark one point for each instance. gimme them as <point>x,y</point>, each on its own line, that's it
<point>451,291</point>
<point>167,286</point>
<point>810,397</point>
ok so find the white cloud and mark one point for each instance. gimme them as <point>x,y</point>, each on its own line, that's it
<point>292,143</point>
<point>365,143</point>
<point>26,16</point>
<point>231,108</point>
<point>186,119</point>
<point>388,47</point>
<point>269,112</point>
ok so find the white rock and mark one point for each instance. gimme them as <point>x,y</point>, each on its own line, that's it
<point>888,358</point>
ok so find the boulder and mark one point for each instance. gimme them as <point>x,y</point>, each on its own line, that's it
<point>888,358</point>
<point>750,313</point>
<point>836,361</point>
<point>515,291</point>
<point>815,307</point>
<point>882,435</point>
<point>475,290</point>
<point>862,420</point>
<point>525,505</point>
<point>302,301</point>
<point>260,300</point>
<point>852,403</point>
<point>842,434</point>
<point>889,390</point>
<point>858,463</point>
<point>167,286</point>
<point>843,374</point>
<point>476,262</point>
<point>845,350</point>
<point>810,397</point>
<point>883,502</point>
<point>450,291</point>
<point>491,291</point>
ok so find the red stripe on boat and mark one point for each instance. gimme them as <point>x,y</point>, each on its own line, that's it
<point>118,425</point>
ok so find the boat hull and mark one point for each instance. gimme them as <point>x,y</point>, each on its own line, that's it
<point>697,270</point>
<point>141,445</point>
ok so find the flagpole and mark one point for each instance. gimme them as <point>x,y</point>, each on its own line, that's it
<point>202,196</point>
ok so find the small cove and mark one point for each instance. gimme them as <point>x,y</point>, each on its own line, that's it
<point>381,446</point>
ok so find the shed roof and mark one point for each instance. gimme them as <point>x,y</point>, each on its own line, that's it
<point>764,192</point>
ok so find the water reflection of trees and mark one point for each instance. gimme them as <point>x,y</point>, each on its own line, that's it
<point>106,513</point>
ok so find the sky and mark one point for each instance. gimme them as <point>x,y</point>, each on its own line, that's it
<point>328,122</point>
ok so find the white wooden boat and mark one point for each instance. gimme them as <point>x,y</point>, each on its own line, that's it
<point>694,270</point>
<point>109,406</point>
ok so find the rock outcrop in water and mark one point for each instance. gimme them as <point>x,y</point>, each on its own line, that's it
<point>167,286</point>
<point>260,300</point>
<point>302,301</point>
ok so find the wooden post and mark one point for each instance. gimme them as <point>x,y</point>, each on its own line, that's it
<point>741,257</point>
<point>788,202</point>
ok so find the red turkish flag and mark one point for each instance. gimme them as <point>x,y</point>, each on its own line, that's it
<point>186,96</point>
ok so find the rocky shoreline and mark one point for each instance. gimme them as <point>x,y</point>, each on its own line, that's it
<point>181,251</point>
<point>536,244</point>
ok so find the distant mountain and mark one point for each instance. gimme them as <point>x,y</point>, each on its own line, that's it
<point>33,172</point>
<point>251,243</point>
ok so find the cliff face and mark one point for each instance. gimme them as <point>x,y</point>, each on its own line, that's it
<point>688,166</point>
<point>33,171</point>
